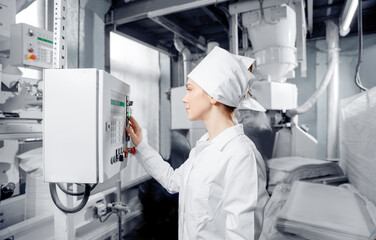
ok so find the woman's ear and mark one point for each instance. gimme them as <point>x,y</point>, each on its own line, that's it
<point>213,101</point>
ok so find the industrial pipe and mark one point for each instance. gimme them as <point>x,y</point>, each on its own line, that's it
<point>331,81</point>
<point>333,92</point>
<point>41,13</point>
<point>316,95</point>
<point>184,51</point>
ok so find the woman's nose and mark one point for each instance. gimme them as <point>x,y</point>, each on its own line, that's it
<point>184,100</point>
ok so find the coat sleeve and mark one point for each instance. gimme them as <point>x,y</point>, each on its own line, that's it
<point>241,196</point>
<point>158,168</point>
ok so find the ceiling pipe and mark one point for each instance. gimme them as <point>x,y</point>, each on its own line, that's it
<point>184,51</point>
<point>347,16</point>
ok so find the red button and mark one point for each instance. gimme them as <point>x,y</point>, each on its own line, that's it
<point>133,150</point>
<point>33,56</point>
<point>31,50</point>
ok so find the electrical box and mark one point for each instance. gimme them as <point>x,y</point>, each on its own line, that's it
<point>30,46</point>
<point>84,117</point>
<point>7,17</point>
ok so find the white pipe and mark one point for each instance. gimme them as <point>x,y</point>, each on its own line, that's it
<point>347,16</point>
<point>315,96</point>
<point>233,38</point>
<point>178,43</point>
<point>41,14</point>
<point>333,92</point>
<point>331,81</point>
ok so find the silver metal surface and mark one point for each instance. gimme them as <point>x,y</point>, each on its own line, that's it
<point>310,15</point>
<point>60,58</point>
<point>333,92</point>
<point>153,8</point>
<point>164,22</point>
<point>233,37</point>
<point>15,128</point>
<point>187,61</point>
<point>246,5</point>
<point>301,32</point>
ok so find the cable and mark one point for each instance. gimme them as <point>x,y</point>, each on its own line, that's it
<point>59,204</point>
<point>360,34</point>
<point>263,15</point>
<point>66,191</point>
<point>105,219</point>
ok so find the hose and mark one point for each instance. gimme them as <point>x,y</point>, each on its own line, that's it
<point>59,204</point>
<point>360,34</point>
<point>315,96</point>
<point>66,191</point>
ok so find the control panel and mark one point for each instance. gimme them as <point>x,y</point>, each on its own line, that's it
<point>85,114</point>
<point>31,46</point>
<point>118,122</point>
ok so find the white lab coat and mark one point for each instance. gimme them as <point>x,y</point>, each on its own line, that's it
<point>221,186</point>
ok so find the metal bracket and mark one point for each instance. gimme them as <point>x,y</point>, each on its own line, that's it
<point>60,49</point>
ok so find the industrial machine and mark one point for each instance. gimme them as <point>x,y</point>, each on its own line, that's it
<point>278,45</point>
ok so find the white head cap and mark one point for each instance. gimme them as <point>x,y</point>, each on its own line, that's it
<point>226,78</point>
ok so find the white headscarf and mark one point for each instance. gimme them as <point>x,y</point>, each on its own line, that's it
<point>226,78</point>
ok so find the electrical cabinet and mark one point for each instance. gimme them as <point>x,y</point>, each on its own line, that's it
<point>85,111</point>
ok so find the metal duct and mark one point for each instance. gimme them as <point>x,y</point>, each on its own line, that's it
<point>41,14</point>
<point>184,51</point>
<point>332,109</point>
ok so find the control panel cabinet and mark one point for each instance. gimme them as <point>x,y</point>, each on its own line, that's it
<point>85,111</point>
<point>30,46</point>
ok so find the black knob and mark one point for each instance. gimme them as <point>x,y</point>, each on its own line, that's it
<point>30,32</point>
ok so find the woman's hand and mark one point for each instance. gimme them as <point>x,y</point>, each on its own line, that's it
<point>134,131</point>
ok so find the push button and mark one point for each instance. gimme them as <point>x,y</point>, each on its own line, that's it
<point>31,57</point>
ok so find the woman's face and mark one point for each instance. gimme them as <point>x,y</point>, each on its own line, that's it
<point>197,101</point>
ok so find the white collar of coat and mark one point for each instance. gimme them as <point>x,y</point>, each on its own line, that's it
<point>223,138</point>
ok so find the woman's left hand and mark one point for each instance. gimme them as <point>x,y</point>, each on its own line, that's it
<point>134,131</point>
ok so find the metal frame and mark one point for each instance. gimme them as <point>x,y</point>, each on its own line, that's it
<point>143,9</point>
<point>169,25</point>
<point>215,18</point>
<point>246,5</point>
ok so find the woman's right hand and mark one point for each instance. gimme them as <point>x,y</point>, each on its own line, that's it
<point>134,131</point>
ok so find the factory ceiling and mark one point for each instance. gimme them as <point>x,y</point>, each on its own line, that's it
<point>156,22</point>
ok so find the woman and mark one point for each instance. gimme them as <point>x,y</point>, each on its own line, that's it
<point>222,184</point>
